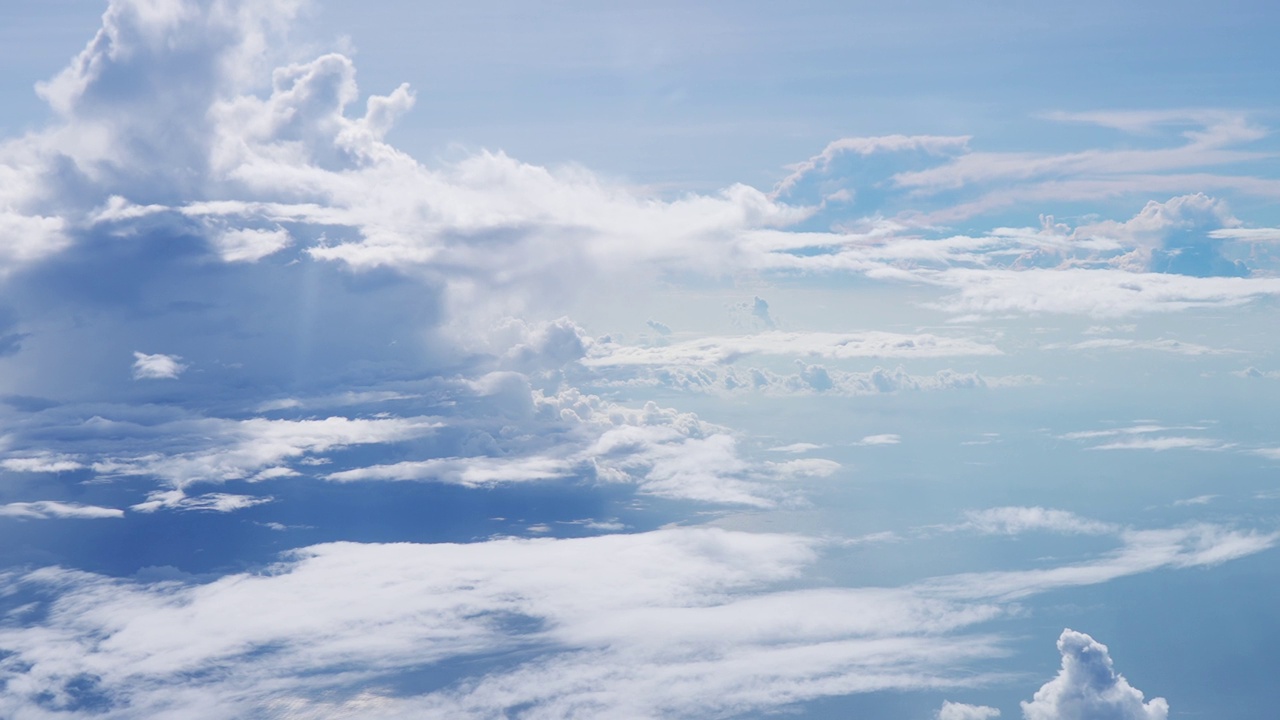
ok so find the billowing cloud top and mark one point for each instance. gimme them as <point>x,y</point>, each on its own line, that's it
<point>1089,688</point>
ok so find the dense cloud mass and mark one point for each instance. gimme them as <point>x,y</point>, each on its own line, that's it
<point>295,424</point>
<point>1089,688</point>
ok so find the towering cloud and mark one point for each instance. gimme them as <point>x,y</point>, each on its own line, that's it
<point>1089,688</point>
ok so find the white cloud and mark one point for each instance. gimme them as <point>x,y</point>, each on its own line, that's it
<point>156,367</point>
<point>470,472</point>
<point>219,450</point>
<point>1247,234</point>
<point>960,711</point>
<point>680,622</point>
<point>250,245</point>
<point>1141,551</point>
<point>1096,292</point>
<point>1160,345</point>
<point>931,144</point>
<point>884,439</point>
<point>42,463</point>
<point>1160,444</point>
<point>208,502</point>
<point>1142,429</point>
<point>807,467</point>
<point>800,447</point>
<point>1197,500</point>
<point>1017,520</point>
<point>49,509</point>
<point>1088,688</point>
<point>808,379</point>
<point>673,623</point>
<point>713,350</point>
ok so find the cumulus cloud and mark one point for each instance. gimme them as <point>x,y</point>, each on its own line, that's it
<point>1089,688</point>
<point>156,367</point>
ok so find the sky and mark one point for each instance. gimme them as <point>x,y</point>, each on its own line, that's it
<point>664,360</point>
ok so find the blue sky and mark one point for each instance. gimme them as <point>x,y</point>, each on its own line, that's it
<point>398,361</point>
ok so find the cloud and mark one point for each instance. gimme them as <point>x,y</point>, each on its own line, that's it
<point>1141,551</point>
<point>800,447</point>
<point>42,463</point>
<point>679,622</point>
<point>808,379</point>
<point>1161,444</point>
<point>683,622</point>
<point>214,450</point>
<point>1197,500</point>
<point>208,502</point>
<point>885,439</point>
<point>1142,429</point>
<point>1160,345</point>
<point>960,711</point>
<point>714,350</point>
<point>250,245</point>
<point>864,146</point>
<point>1088,688</point>
<point>1017,520</point>
<point>1251,235</point>
<point>660,328</point>
<point>1098,293</point>
<point>470,472</point>
<point>50,509</point>
<point>205,191</point>
<point>156,367</point>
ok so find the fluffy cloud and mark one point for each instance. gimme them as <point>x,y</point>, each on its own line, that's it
<point>156,367</point>
<point>1088,688</point>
